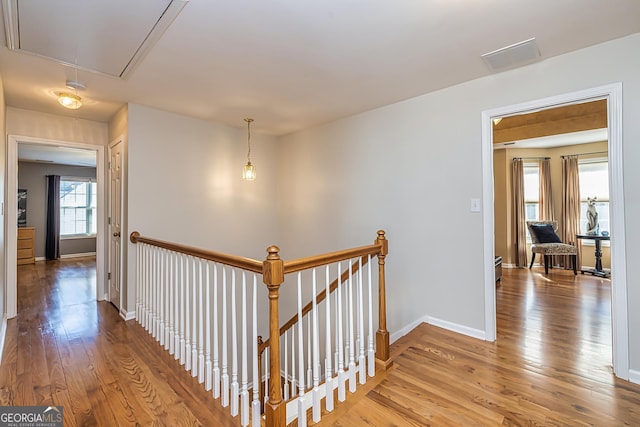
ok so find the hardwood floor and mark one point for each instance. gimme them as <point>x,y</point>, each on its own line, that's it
<point>64,348</point>
<point>551,364</point>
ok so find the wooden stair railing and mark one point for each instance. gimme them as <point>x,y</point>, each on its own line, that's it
<point>273,270</point>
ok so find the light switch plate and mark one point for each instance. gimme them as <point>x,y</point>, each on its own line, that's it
<point>475,205</point>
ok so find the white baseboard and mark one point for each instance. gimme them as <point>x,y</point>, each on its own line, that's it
<point>404,331</point>
<point>464,330</point>
<point>127,315</point>
<point>3,335</point>
<point>454,327</point>
<point>634,376</point>
<point>80,255</point>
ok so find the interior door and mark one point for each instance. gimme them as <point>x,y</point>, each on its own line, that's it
<point>115,219</point>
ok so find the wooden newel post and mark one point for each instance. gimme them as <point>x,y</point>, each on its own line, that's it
<point>273,277</point>
<point>382,335</point>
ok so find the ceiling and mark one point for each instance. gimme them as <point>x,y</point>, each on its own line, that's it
<point>40,153</point>
<point>288,64</point>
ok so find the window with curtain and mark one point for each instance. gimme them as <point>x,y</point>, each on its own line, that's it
<point>78,203</point>
<point>531,193</point>
<point>594,182</point>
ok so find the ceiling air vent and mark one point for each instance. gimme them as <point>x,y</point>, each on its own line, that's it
<point>516,54</point>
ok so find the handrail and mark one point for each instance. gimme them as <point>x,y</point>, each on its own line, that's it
<point>232,260</point>
<point>328,258</point>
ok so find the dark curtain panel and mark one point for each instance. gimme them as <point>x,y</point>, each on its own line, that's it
<point>519,224</point>
<point>52,244</point>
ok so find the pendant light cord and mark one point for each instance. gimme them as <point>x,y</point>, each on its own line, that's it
<point>248,139</point>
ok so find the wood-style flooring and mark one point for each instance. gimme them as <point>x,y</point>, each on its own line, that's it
<point>551,364</point>
<point>64,348</point>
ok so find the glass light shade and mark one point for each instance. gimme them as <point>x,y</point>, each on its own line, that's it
<point>249,172</point>
<point>69,100</point>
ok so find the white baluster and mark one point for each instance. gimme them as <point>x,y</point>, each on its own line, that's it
<point>352,360</point>
<point>207,332</point>
<point>183,298</point>
<point>266,373</point>
<point>328,376</point>
<point>309,379</point>
<point>294,383</point>
<point>161,287</point>
<point>138,282</point>
<point>316,352</point>
<point>302,413</point>
<point>154,290</point>
<point>172,286</point>
<point>194,319</point>
<point>286,366</point>
<point>201,303</point>
<point>234,347</point>
<point>225,374</point>
<point>341,374</point>
<point>370,350</point>
<point>255,403</point>
<point>149,323</point>
<point>176,306</point>
<point>362,373</point>
<point>216,368</point>
<point>244,392</point>
<point>188,308</point>
<point>167,299</point>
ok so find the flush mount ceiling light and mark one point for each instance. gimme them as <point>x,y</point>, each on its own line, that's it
<point>249,171</point>
<point>69,100</point>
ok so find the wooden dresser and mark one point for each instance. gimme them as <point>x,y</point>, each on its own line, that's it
<point>26,251</point>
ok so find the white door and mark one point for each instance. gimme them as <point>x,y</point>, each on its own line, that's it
<point>115,218</point>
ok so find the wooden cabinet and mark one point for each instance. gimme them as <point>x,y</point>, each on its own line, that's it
<point>26,251</point>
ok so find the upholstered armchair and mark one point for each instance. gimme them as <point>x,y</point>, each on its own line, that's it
<point>546,242</point>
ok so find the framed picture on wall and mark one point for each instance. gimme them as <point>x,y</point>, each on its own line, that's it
<point>22,208</point>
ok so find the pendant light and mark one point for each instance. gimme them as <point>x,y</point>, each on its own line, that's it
<point>249,171</point>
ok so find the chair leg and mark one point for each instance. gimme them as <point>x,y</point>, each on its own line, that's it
<point>546,264</point>
<point>533,258</point>
<point>574,258</point>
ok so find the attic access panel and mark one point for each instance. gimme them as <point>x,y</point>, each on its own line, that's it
<point>104,36</point>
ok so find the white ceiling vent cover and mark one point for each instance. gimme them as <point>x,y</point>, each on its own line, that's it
<point>515,54</point>
<point>103,36</point>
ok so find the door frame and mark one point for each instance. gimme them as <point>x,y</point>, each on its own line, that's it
<point>119,140</point>
<point>619,311</point>
<point>11,224</point>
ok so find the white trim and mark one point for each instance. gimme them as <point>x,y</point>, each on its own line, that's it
<point>3,336</point>
<point>11,229</point>
<point>78,255</point>
<point>128,315</point>
<point>634,376</point>
<point>395,336</point>
<point>619,311</point>
<point>109,196</point>
<point>460,329</point>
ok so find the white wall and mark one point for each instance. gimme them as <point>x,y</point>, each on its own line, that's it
<point>411,168</point>
<point>185,185</point>
<point>49,126</point>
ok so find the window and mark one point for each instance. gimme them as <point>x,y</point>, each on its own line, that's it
<point>78,207</point>
<point>531,193</point>
<point>594,182</point>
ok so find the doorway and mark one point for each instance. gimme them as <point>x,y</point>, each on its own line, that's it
<point>13,142</point>
<point>613,95</point>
